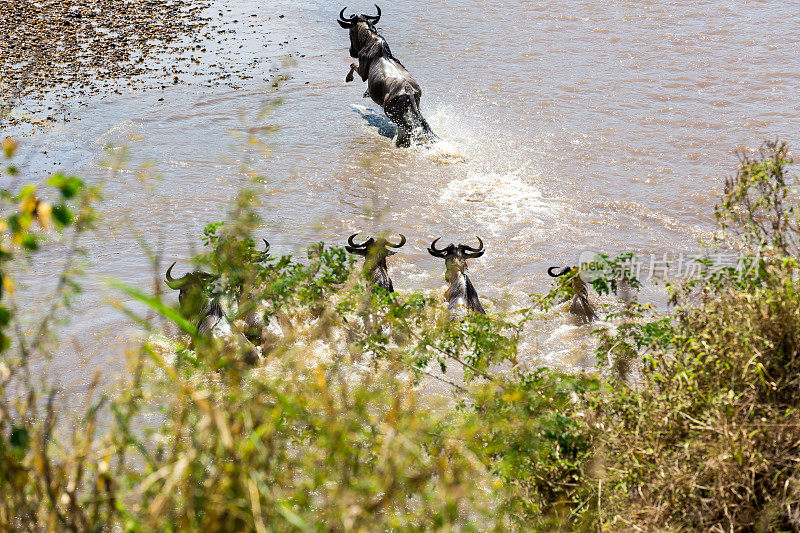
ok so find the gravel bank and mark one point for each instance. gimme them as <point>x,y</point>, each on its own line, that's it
<point>82,47</point>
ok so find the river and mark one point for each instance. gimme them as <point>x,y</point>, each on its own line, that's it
<point>567,126</point>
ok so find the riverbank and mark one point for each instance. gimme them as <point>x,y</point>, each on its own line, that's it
<point>81,48</point>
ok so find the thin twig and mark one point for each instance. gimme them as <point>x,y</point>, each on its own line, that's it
<point>454,385</point>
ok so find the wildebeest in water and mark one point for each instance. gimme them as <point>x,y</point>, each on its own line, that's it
<point>388,82</point>
<point>580,307</point>
<point>460,293</point>
<point>375,251</point>
<point>201,306</point>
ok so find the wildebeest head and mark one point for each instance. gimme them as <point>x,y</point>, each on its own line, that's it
<point>362,29</point>
<point>202,307</point>
<point>375,251</point>
<point>578,285</point>
<point>580,307</point>
<point>460,290</point>
<point>195,291</point>
<point>455,257</point>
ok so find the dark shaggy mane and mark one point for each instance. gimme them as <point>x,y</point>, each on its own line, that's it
<point>473,302</point>
<point>374,47</point>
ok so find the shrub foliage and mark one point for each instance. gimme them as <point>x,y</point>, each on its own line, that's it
<point>690,421</point>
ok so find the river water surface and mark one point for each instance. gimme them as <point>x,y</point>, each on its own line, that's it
<point>567,126</point>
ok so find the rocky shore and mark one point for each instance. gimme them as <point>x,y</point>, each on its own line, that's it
<point>81,47</point>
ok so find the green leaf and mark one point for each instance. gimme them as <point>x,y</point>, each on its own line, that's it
<point>26,191</point>
<point>19,438</point>
<point>5,316</point>
<point>29,242</point>
<point>155,304</point>
<point>62,215</point>
<point>68,185</point>
<point>292,518</point>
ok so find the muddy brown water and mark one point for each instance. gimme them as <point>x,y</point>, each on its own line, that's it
<point>566,126</point>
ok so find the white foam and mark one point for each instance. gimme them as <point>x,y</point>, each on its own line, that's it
<point>499,199</point>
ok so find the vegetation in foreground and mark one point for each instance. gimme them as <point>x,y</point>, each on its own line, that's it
<point>691,421</point>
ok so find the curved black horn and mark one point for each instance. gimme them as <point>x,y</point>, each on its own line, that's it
<point>264,254</point>
<point>375,18</point>
<point>169,272</point>
<point>402,242</point>
<point>471,249</point>
<point>561,273</point>
<point>354,245</point>
<point>346,22</point>
<point>175,284</point>
<point>434,252</point>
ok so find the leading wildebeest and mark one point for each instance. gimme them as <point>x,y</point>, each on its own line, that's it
<point>374,251</point>
<point>460,292</point>
<point>580,307</point>
<point>388,82</point>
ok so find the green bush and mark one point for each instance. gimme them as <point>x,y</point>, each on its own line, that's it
<point>707,437</point>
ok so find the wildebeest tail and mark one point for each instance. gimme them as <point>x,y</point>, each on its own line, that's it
<point>420,119</point>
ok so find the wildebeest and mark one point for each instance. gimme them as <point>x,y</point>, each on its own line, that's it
<point>460,292</point>
<point>251,306</point>
<point>580,307</point>
<point>375,251</point>
<point>194,298</point>
<point>201,306</point>
<point>388,82</point>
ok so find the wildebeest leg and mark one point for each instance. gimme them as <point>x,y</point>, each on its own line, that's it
<point>353,68</point>
<point>403,136</point>
<point>397,111</point>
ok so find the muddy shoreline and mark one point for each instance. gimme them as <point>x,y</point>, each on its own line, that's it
<point>58,54</point>
<point>83,44</point>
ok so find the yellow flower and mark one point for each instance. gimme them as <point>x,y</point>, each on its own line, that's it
<point>9,147</point>
<point>43,214</point>
<point>8,285</point>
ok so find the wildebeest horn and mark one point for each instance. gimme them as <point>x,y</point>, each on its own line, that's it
<point>176,284</point>
<point>346,22</point>
<point>561,273</point>
<point>353,244</point>
<point>476,250</point>
<point>402,242</point>
<point>470,252</point>
<point>434,252</point>
<point>375,18</point>
<point>262,256</point>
